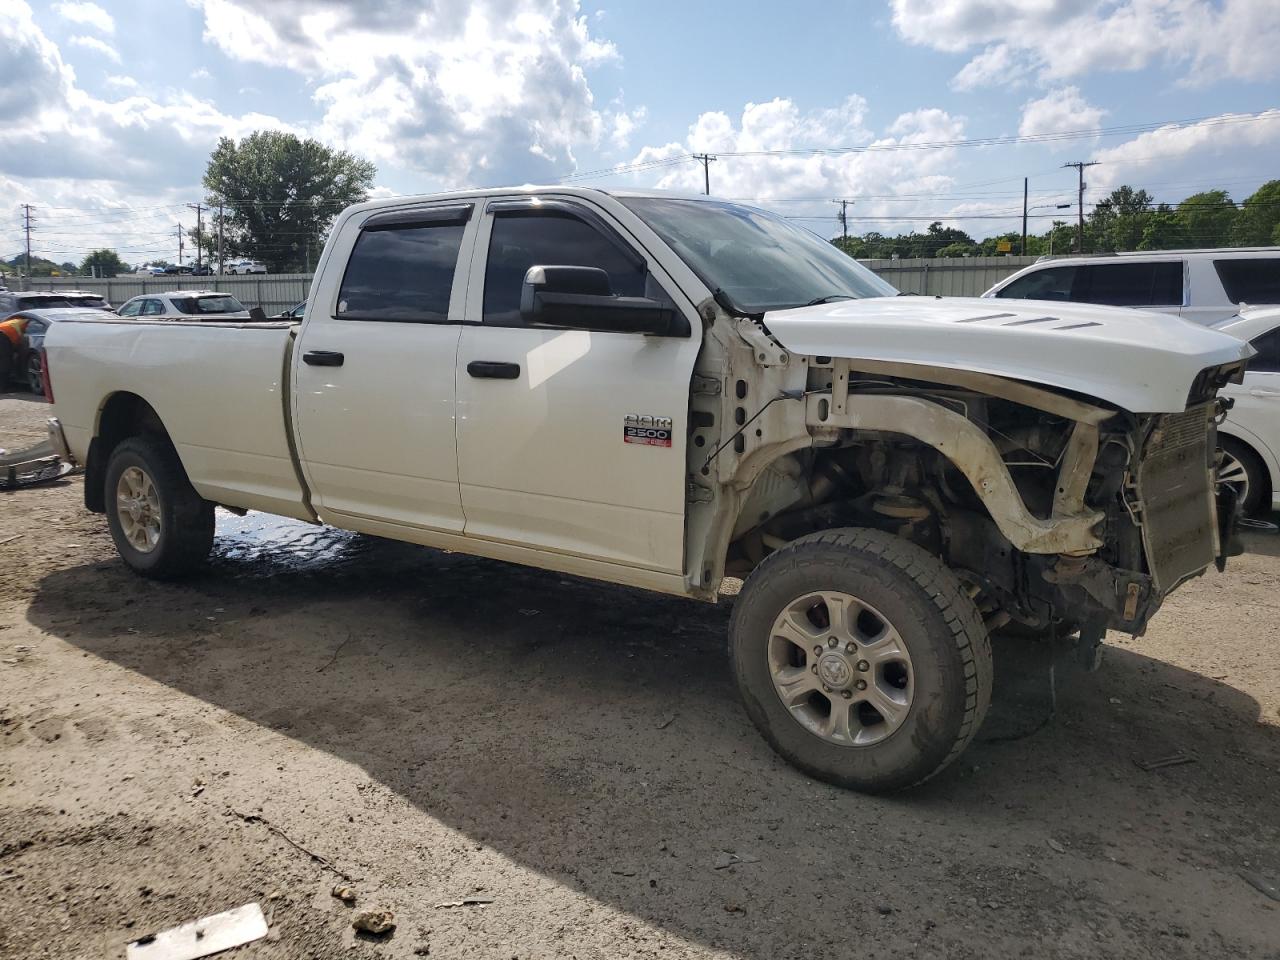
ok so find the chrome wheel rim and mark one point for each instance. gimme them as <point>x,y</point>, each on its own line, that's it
<point>841,669</point>
<point>138,509</point>
<point>1233,473</point>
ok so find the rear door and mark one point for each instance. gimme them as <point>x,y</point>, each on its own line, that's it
<point>544,456</point>
<point>374,370</point>
<point>1257,399</point>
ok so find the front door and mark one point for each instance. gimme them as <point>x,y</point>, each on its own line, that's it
<point>374,372</point>
<point>545,456</point>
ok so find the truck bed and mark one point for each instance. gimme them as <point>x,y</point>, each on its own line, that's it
<point>221,387</point>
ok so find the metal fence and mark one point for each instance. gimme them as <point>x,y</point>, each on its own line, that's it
<point>948,277</point>
<point>274,293</point>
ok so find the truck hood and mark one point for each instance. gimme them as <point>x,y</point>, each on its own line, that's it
<point>1137,360</point>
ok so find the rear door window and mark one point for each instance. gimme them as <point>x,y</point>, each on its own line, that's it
<point>152,308</point>
<point>1051,283</point>
<point>523,240</point>
<point>1268,358</point>
<point>1250,279</point>
<point>402,267</point>
<point>1124,284</point>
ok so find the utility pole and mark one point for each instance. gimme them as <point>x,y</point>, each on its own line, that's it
<point>705,160</point>
<point>26,226</point>
<point>198,208</point>
<point>1023,249</point>
<point>219,239</point>
<point>844,218</point>
<point>179,244</point>
<point>1080,165</point>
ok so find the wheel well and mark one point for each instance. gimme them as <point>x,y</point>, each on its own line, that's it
<point>124,415</point>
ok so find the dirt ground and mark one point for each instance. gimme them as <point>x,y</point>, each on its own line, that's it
<point>320,706</point>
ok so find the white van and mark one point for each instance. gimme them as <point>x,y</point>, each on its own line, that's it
<point>1204,286</point>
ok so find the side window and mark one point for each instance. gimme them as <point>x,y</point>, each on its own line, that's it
<point>131,308</point>
<point>1051,283</point>
<point>401,272</point>
<point>152,308</point>
<point>522,240</point>
<point>1268,347</point>
<point>1251,280</point>
<point>1152,284</point>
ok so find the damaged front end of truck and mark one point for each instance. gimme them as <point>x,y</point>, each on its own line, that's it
<point>1057,510</point>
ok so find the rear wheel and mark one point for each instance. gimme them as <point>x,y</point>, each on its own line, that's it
<point>161,527</point>
<point>861,659</point>
<point>1240,467</point>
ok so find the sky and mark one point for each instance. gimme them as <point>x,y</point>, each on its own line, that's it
<point>914,110</point>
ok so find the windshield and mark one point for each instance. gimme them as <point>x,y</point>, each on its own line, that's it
<point>199,305</point>
<point>761,261</point>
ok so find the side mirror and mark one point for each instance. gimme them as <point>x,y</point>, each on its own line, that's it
<point>257,314</point>
<point>582,298</point>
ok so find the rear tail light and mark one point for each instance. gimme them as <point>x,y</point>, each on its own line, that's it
<point>45,382</point>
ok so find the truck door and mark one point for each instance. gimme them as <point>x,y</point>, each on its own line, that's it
<point>546,456</point>
<point>373,371</point>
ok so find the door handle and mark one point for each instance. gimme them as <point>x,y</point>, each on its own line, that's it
<point>323,358</point>
<point>493,370</point>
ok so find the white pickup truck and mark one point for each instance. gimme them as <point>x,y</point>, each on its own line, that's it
<point>663,392</point>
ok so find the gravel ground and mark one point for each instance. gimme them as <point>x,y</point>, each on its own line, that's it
<point>321,708</point>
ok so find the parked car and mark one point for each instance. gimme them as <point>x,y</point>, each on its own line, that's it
<point>11,301</point>
<point>243,266</point>
<point>1203,286</point>
<point>26,356</point>
<point>1250,436</point>
<point>661,392</point>
<point>178,269</point>
<point>154,269</point>
<point>202,270</point>
<point>185,305</point>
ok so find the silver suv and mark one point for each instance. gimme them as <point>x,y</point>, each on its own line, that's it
<point>1204,286</point>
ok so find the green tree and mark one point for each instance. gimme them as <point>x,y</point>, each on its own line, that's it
<point>102,263</point>
<point>1164,230</point>
<point>281,194</point>
<point>1258,218</point>
<point>1208,218</point>
<point>1117,221</point>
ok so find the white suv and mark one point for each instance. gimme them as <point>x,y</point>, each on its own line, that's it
<point>234,267</point>
<point>1204,286</point>
<point>185,305</point>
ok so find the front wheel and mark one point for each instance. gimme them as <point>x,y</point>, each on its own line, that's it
<point>35,378</point>
<point>162,528</point>
<point>861,659</point>
<point>1240,467</point>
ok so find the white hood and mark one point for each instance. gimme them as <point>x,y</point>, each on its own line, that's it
<point>1140,361</point>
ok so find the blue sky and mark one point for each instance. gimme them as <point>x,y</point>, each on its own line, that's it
<point>109,109</point>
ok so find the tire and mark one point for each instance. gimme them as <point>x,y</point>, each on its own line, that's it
<point>184,533</point>
<point>35,380</point>
<point>1243,469</point>
<point>940,688</point>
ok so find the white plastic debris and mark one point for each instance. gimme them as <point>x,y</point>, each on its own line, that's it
<point>200,938</point>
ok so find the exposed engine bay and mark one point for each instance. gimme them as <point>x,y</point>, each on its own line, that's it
<point>1054,511</point>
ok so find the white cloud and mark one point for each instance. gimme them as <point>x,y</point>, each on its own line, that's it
<point>887,171</point>
<point>201,74</point>
<point>135,160</point>
<point>87,14</point>
<point>624,124</point>
<point>121,82</point>
<point>478,91</point>
<point>1063,108</point>
<point>995,67</point>
<point>1221,146</point>
<point>96,45</point>
<point>1061,39</point>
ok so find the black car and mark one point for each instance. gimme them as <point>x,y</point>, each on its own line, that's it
<point>174,268</point>
<point>27,367</point>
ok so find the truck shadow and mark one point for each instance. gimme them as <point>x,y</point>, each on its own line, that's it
<point>591,733</point>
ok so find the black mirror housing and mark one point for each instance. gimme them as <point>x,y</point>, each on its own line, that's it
<point>581,298</point>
